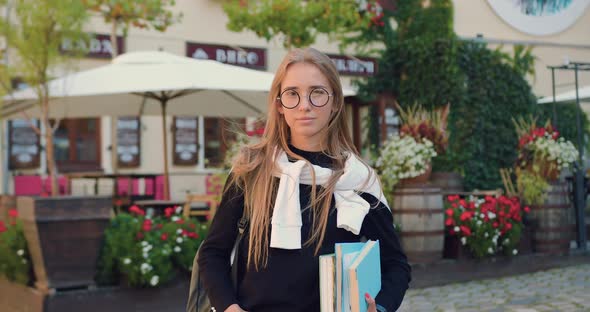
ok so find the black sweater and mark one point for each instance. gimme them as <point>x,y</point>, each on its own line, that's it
<point>290,282</point>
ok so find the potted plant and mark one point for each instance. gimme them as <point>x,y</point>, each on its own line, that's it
<point>145,251</point>
<point>485,226</point>
<point>542,156</point>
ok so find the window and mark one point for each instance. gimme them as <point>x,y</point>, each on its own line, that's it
<point>77,145</point>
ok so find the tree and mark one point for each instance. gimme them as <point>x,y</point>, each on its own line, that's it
<point>299,22</point>
<point>137,13</point>
<point>36,35</point>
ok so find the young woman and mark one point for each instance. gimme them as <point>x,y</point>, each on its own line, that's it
<point>303,188</point>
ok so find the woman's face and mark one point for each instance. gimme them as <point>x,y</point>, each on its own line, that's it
<point>307,121</point>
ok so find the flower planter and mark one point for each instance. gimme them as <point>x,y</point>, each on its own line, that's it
<point>19,298</point>
<point>418,180</point>
<point>170,297</point>
<point>449,182</point>
<point>419,211</point>
<point>64,236</point>
<point>552,231</point>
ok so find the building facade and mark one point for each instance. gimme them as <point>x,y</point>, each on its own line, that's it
<point>132,144</point>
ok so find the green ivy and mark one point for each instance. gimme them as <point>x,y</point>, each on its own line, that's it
<point>485,138</point>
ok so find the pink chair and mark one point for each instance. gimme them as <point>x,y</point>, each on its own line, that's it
<point>123,186</point>
<point>62,185</point>
<point>27,185</point>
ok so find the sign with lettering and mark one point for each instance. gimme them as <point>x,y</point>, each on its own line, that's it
<point>186,141</point>
<point>247,57</point>
<point>354,66</point>
<point>98,47</point>
<point>23,144</point>
<point>128,142</point>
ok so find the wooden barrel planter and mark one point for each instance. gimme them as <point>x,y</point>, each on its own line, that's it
<point>419,211</point>
<point>448,182</point>
<point>552,231</point>
<point>64,236</point>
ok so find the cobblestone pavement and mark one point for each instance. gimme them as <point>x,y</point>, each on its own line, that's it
<point>563,289</point>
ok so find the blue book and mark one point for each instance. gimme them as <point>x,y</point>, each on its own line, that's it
<point>364,276</point>
<point>342,293</point>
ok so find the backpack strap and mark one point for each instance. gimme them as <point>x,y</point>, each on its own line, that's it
<point>242,226</point>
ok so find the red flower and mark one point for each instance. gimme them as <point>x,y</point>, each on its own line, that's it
<point>508,226</point>
<point>169,212</point>
<point>184,232</point>
<point>465,230</point>
<point>449,212</point>
<point>147,225</point>
<point>139,235</point>
<point>466,216</point>
<point>136,210</point>
<point>180,221</point>
<point>192,226</point>
<point>118,202</point>
<point>453,197</point>
<point>193,235</point>
<point>449,222</point>
<point>2,227</point>
<point>527,209</point>
<point>13,213</point>
<point>495,224</point>
<point>160,226</point>
<point>164,236</point>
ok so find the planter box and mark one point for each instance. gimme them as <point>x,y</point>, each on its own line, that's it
<point>171,297</point>
<point>64,235</point>
<point>19,298</point>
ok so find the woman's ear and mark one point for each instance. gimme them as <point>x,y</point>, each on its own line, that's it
<point>280,108</point>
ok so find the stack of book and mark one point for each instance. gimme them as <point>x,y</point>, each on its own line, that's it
<point>345,276</point>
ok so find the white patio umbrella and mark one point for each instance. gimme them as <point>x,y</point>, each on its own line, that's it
<point>569,96</point>
<point>151,83</point>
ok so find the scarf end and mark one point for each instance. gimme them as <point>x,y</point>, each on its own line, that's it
<point>285,237</point>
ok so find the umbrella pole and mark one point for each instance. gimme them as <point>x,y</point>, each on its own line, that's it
<point>166,173</point>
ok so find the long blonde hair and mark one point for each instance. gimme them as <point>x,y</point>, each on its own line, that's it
<point>253,168</point>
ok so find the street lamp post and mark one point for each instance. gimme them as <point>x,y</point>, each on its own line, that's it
<point>579,185</point>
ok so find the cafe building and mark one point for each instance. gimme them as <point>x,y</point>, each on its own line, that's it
<point>199,144</point>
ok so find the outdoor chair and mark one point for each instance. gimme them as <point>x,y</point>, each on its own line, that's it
<point>209,200</point>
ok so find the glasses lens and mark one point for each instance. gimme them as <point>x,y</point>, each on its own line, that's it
<point>319,97</point>
<point>289,98</point>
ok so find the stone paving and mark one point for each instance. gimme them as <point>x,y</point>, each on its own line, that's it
<point>563,289</point>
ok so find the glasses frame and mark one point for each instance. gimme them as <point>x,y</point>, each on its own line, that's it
<point>308,97</point>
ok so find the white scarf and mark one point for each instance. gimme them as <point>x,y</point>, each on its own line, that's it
<point>351,207</point>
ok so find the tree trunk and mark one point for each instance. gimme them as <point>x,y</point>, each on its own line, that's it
<point>49,153</point>
<point>114,44</point>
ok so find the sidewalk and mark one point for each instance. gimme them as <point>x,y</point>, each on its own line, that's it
<point>526,283</point>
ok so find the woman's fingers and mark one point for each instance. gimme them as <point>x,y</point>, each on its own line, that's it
<point>372,306</point>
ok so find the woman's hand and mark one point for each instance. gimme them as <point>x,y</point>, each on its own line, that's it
<point>234,308</point>
<point>372,306</point>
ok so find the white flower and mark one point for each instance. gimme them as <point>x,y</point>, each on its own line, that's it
<point>145,267</point>
<point>126,261</point>
<point>463,240</point>
<point>174,218</point>
<point>145,255</point>
<point>20,252</point>
<point>456,229</point>
<point>177,249</point>
<point>144,243</point>
<point>478,222</point>
<point>507,241</point>
<point>481,215</point>
<point>514,252</point>
<point>154,280</point>
<point>490,250</point>
<point>24,261</point>
<point>491,215</point>
<point>179,231</point>
<point>179,240</point>
<point>178,209</point>
<point>485,235</point>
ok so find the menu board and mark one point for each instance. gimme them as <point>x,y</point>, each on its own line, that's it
<point>128,142</point>
<point>186,142</point>
<point>23,144</point>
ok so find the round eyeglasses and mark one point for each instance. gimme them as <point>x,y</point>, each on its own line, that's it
<point>318,97</point>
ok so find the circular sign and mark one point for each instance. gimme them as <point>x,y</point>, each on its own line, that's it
<point>537,17</point>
